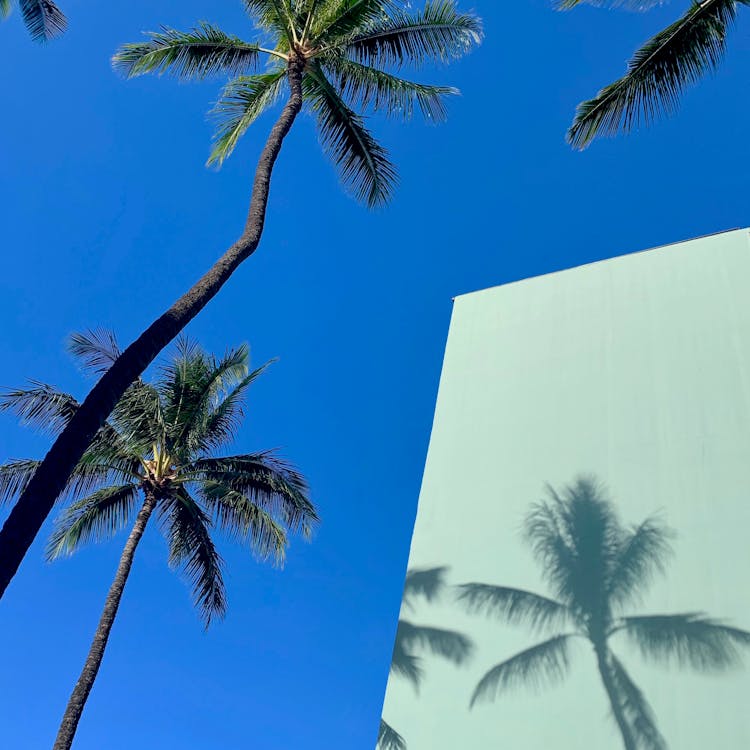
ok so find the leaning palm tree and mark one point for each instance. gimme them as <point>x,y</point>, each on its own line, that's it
<point>427,584</point>
<point>597,568</point>
<point>157,455</point>
<point>43,18</point>
<point>337,58</point>
<point>659,71</point>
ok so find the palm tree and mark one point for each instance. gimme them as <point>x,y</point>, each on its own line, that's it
<point>43,18</point>
<point>658,72</point>
<point>596,568</point>
<point>427,584</point>
<point>338,58</point>
<point>158,455</point>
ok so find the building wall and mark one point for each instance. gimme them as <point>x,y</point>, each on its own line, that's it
<point>636,370</point>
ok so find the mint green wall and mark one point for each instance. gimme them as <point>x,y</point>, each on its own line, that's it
<point>636,369</point>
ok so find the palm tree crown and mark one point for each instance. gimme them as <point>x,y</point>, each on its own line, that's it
<point>161,442</point>
<point>349,53</point>
<point>659,71</point>
<point>43,18</point>
<point>411,639</point>
<point>597,568</point>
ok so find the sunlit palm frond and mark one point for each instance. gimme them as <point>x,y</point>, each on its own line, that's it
<point>246,522</point>
<point>369,88</point>
<point>389,738</point>
<point>94,518</point>
<point>658,73</point>
<point>14,476</point>
<point>437,33</point>
<point>642,553</point>
<point>96,349</point>
<point>138,418</point>
<point>5,8</point>
<point>692,640</point>
<point>636,709</point>
<point>447,644</point>
<point>637,5</point>
<point>192,551</point>
<point>242,101</point>
<point>364,165</point>
<point>204,51</point>
<point>514,606</point>
<point>544,664</point>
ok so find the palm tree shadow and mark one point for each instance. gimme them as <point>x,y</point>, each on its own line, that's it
<point>413,641</point>
<point>597,568</point>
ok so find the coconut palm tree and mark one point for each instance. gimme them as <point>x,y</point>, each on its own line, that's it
<point>597,568</point>
<point>158,455</point>
<point>427,584</point>
<point>43,18</point>
<point>659,71</point>
<point>338,59</point>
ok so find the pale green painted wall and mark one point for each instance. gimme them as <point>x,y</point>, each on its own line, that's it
<point>636,369</point>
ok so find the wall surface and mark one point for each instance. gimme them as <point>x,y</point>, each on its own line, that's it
<point>634,370</point>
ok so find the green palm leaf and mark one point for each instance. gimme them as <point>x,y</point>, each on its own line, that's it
<point>545,663</point>
<point>242,101</point>
<point>14,476</point>
<point>692,640</point>
<point>94,518</point>
<point>42,406</point>
<point>363,163</point>
<point>514,606</point>
<point>5,8</point>
<point>437,33</point>
<point>199,53</point>
<point>658,73</point>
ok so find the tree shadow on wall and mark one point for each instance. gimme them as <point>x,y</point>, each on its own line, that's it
<point>413,641</point>
<point>596,568</point>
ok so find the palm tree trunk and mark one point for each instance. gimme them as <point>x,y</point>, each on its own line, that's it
<point>36,501</point>
<point>81,691</point>
<point>605,670</point>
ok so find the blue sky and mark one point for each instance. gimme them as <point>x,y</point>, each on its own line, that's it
<point>108,213</point>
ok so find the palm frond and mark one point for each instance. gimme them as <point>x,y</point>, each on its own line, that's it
<point>363,163</point>
<point>273,15</point>
<point>269,482</point>
<point>96,349</point>
<point>192,551</point>
<point>637,5</point>
<point>42,406</point>
<point>437,33</point>
<point>5,8</point>
<point>337,20</point>
<point>389,738</point>
<point>642,554</point>
<point>242,101</point>
<point>94,518</point>
<point>658,73</point>
<point>369,88</point>
<point>514,606</point>
<point>43,19</point>
<point>545,663</point>
<point>691,640</point>
<point>138,418</point>
<point>14,476</point>
<point>201,52</point>
<point>447,644</point>
<point>246,522</point>
<point>638,713</point>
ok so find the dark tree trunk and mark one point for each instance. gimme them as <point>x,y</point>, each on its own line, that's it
<point>605,670</point>
<point>81,691</point>
<point>35,503</point>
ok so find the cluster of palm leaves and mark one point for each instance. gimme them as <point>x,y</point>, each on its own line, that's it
<point>412,640</point>
<point>597,568</point>
<point>43,18</point>
<point>158,454</point>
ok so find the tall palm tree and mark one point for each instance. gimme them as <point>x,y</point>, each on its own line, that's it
<point>427,584</point>
<point>43,18</point>
<point>597,568</point>
<point>338,58</point>
<point>659,71</point>
<point>158,455</point>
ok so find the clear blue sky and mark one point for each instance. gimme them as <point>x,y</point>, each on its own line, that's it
<point>108,214</point>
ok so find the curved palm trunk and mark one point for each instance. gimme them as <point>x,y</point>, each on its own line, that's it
<point>81,691</point>
<point>35,503</point>
<point>605,670</point>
